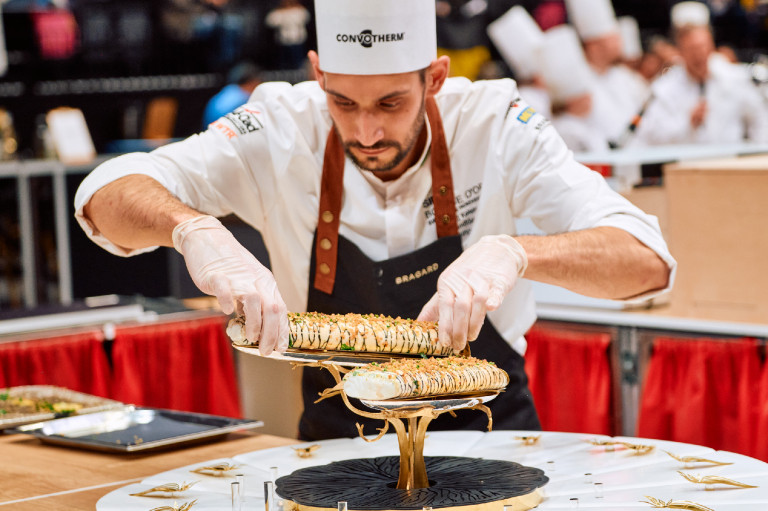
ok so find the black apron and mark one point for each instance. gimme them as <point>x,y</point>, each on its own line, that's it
<point>343,280</point>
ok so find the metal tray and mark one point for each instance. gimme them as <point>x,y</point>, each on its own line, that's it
<point>134,429</point>
<point>445,403</point>
<point>91,403</point>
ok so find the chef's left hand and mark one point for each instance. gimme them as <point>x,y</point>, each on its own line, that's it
<point>475,283</point>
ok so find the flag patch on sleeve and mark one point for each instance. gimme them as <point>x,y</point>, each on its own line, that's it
<point>526,115</point>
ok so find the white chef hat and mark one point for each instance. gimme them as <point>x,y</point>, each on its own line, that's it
<point>592,18</point>
<point>563,65</point>
<point>631,47</point>
<point>369,37</point>
<point>689,14</point>
<point>519,40</point>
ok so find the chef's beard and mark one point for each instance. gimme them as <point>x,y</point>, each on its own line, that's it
<point>375,163</point>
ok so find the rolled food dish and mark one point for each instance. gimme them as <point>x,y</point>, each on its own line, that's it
<point>370,333</point>
<point>421,378</point>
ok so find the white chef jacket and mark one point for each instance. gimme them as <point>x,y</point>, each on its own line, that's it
<point>264,163</point>
<point>735,109</point>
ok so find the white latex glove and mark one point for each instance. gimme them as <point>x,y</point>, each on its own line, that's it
<point>475,283</point>
<point>220,266</point>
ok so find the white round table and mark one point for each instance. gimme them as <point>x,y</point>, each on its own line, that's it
<point>619,478</point>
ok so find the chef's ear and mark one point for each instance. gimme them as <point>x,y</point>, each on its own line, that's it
<point>437,72</point>
<point>314,60</point>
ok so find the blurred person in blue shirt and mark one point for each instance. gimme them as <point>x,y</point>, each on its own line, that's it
<point>241,81</point>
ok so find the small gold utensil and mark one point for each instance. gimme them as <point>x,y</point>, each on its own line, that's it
<point>219,470</point>
<point>306,452</point>
<point>638,448</point>
<point>714,480</point>
<point>166,488</point>
<point>175,507</point>
<point>694,459</point>
<point>529,440</point>
<point>675,504</point>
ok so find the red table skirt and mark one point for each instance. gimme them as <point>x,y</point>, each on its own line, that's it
<point>706,391</point>
<point>570,379</point>
<point>185,365</point>
<point>75,361</point>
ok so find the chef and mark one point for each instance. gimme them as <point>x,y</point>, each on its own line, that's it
<point>570,83</point>
<point>519,40</point>
<point>618,92</point>
<point>705,99</point>
<point>382,187</point>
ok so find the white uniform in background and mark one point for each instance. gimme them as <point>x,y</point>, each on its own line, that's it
<point>263,162</point>
<point>519,40</point>
<point>735,110</point>
<point>579,134</point>
<point>617,97</point>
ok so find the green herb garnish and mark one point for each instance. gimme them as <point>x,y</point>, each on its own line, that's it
<point>45,405</point>
<point>346,347</point>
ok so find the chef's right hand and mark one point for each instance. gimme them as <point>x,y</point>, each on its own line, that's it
<point>220,266</point>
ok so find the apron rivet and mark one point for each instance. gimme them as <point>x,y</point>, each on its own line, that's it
<point>446,219</point>
<point>327,217</point>
<point>443,190</point>
<point>325,244</point>
<point>325,269</point>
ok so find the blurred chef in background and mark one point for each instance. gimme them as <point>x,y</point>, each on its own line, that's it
<point>705,99</point>
<point>618,92</point>
<point>570,83</point>
<point>631,44</point>
<point>519,40</point>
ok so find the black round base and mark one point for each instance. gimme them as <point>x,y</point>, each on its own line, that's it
<point>369,483</point>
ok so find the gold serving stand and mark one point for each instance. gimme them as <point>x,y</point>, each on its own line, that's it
<point>410,419</point>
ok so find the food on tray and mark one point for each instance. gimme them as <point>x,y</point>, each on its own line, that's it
<point>354,333</point>
<point>34,403</point>
<point>14,405</point>
<point>407,378</point>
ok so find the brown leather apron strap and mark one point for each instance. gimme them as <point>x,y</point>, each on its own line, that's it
<point>332,188</point>
<point>442,180</point>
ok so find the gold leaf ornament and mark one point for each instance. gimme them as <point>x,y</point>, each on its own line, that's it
<point>694,459</point>
<point>638,448</point>
<point>166,488</point>
<point>186,506</point>
<point>529,439</point>
<point>306,452</point>
<point>675,504</point>
<point>219,470</point>
<point>709,480</point>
